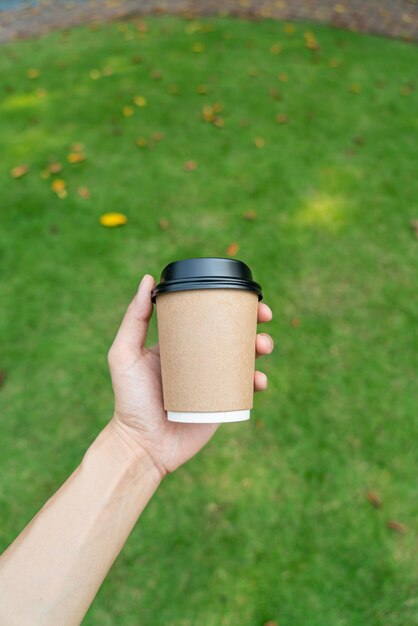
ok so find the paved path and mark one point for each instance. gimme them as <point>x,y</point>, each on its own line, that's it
<point>394,18</point>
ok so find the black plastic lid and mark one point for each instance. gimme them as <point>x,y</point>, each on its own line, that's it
<point>206,273</point>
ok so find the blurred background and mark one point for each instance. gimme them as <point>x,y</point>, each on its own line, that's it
<point>282,134</point>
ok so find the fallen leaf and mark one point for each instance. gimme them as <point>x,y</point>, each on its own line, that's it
<point>2,377</point>
<point>95,74</point>
<point>250,215</point>
<point>358,140</point>
<point>217,107</point>
<point>127,111</point>
<point>276,48</point>
<point>283,77</point>
<point>76,157</point>
<point>259,142</point>
<point>271,623</point>
<point>142,142</point>
<point>374,499</point>
<point>208,113</point>
<point>289,29</point>
<point>163,223</point>
<point>41,92</point>
<point>19,171</point>
<point>398,527</point>
<point>219,122</point>
<point>77,147</point>
<point>33,73</point>
<point>281,118</point>
<point>83,192</point>
<point>295,322</point>
<point>232,249</point>
<point>334,63</point>
<point>311,41</point>
<point>110,220</point>
<point>58,185</point>
<point>355,88</point>
<point>198,46</point>
<point>62,193</point>
<point>158,136</point>
<point>173,89</point>
<point>414,226</point>
<point>156,75</point>
<point>275,93</point>
<point>140,101</point>
<point>406,90</point>
<point>202,89</point>
<point>189,166</point>
<point>54,168</point>
<point>108,71</point>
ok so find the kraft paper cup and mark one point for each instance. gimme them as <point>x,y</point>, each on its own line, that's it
<point>207,323</point>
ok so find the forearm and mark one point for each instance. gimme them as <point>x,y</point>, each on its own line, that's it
<point>53,570</point>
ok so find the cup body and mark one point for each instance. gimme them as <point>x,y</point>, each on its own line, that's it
<point>207,349</point>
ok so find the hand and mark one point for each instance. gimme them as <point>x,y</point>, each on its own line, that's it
<point>139,416</point>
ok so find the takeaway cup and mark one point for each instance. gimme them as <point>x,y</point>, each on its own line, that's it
<point>207,320</point>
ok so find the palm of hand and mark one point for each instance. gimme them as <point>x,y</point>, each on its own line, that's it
<point>139,410</point>
<point>140,418</point>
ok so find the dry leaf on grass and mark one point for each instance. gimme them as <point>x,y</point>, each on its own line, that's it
<point>110,220</point>
<point>374,499</point>
<point>232,249</point>
<point>19,171</point>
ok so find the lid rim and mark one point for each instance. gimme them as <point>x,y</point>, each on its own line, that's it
<point>206,273</point>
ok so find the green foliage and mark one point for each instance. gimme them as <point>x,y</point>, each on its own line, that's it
<point>271,521</point>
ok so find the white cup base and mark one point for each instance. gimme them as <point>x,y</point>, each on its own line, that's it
<point>214,417</point>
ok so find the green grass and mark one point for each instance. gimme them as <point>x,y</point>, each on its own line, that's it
<point>271,520</point>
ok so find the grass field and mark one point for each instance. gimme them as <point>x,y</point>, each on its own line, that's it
<point>312,131</point>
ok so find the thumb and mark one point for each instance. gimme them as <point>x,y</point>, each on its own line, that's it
<point>133,330</point>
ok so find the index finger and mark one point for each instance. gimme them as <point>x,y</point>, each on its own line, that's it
<point>265,313</point>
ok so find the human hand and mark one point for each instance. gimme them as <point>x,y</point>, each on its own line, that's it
<point>139,418</point>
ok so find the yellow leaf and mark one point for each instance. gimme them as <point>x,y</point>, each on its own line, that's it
<point>127,111</point>
<point>62,193</point>
<point>259,142</point>
<point>95,74</point>
<point>198,46</point>
<point>141,142</point>
<point>140,101</point>
<point>110,220</point>
<point>76,157</point>
<point>58,185</point>
<point>276,48</point>
<point>289,29</point>
<point>355,88</point>
<point>33,73</point>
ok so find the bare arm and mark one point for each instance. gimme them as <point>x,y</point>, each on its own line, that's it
<point>52,571</point>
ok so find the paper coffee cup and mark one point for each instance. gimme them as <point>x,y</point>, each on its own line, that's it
<point>207,322</point>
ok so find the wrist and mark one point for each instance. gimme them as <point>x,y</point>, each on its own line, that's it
<point>114,448</point>
<point>130,439</point>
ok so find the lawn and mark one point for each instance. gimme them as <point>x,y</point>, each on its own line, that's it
<point>292,147</point>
